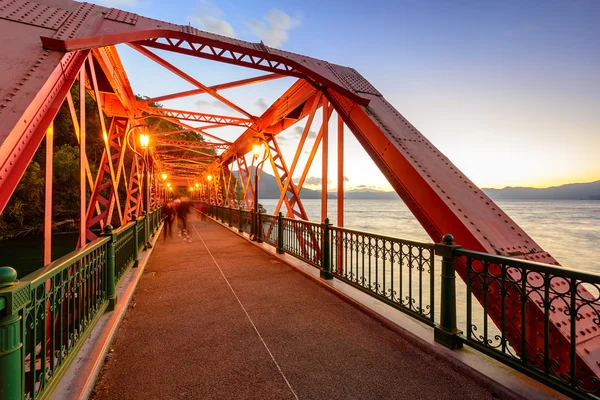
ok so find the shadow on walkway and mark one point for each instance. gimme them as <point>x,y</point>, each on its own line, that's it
<point>218,318</point>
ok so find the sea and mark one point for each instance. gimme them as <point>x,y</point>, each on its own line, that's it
<point>567,229</point>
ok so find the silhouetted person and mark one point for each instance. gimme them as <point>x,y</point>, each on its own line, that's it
<point>168,213</point>
<point>183,209</point>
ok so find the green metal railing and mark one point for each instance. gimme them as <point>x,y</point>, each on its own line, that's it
<point>401,273</point>
<point>46,315</point>
<point>398,272</point>
<point>537,291</point>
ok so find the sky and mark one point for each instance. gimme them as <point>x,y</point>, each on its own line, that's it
<point>508,90</point>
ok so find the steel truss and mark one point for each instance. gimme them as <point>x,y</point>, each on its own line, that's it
<point>79,45</point>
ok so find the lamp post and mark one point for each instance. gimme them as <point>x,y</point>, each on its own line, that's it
<point>144,141</point>
<point>209,178</point>
<point>255,229</point>
<point>164,177</point>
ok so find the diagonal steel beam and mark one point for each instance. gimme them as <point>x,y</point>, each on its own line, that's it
<point>161,61</point>
<point>228,85</point>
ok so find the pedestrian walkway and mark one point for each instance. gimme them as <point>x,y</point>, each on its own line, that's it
<point>218,318</point>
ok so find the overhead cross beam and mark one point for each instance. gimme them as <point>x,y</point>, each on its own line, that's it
<point>222,86</point>
<point>196,116</point>
<point>183,75</point>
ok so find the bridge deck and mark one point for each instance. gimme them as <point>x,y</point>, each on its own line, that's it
<point>219,318</point>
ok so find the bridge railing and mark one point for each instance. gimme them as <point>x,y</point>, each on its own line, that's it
<point>398,272</point>
<point>541,292</point>
<point>403,274</point>
<point>46,315</point>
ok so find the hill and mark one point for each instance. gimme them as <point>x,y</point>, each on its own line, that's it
<point>571,191</point>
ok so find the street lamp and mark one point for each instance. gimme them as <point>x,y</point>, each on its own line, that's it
<point>256,153</point>
<point>164,190</point>
<point>144,141</point>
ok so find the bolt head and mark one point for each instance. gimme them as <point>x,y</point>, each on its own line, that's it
<point>8,276</point>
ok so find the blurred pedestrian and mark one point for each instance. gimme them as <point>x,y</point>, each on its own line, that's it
<point>168,213</point>
<point>183,209</point>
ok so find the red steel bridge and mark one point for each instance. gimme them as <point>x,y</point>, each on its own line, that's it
<point>49,45</point>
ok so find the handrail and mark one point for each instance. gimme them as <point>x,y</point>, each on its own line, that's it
<point>47,314</point>
<point>532,265</point>
<point>42,274</point>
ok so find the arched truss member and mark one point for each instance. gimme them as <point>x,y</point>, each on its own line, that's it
<point>440,196</point>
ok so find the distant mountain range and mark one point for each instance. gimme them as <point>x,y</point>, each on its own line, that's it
<point>574,191</point>
<point>571,191</point>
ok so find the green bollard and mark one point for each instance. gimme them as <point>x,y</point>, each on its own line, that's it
<point>136,245</point>
<point>110,282</point>
<point>447,333</point>
<point>11,365</point>
<point>325,251</point>
<point>280,233</point>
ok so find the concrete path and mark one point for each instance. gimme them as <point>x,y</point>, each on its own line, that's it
<point>220,319</point>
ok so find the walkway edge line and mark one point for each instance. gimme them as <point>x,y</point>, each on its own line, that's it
<point>80,378</point>
<point>439,352</point>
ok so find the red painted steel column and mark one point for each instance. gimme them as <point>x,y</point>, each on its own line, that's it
<point>48,195</point>
<point>340,160</point>
<point>82,162</point>
<point>324,153</point>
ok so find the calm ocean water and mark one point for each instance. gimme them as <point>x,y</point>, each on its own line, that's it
<point>568,230</point>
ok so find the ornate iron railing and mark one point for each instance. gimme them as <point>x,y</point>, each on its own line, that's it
<point>125,251</point>
<point>268,228</point>
<point>46,316</point>
<point>540,292</point>
<point>246,221</point>
<point>302,239</point>
<point>398,272</point>
<point>141,232</point>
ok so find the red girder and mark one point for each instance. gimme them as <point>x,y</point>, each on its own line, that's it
<point>222,86</point>
<point>191,144</point>
<point>197,117</point>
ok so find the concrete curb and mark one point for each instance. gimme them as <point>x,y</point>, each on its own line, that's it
<point>441,353</point>
<point>79,379</point>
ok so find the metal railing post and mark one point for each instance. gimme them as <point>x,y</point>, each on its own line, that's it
<point>258,228</point>
<point>280,233</point>
<point>136,244</point>
<point>240,220</point>
<point>110,270</point>
<point>229,223</point>
<point>325,251</point>
<point>447,333</point>
<point>11,365</point>
<point>253,225</point>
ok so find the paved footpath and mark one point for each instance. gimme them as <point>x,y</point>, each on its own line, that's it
<point>218,318</point>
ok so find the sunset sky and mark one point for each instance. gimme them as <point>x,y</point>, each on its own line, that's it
<point>508,90</point>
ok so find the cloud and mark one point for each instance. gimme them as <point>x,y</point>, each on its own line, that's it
<point>346,179</point>
<point>209,18</point>
<point>275,30</point>
<point>262,104</point>
<point>213,104</point>
<point>312,180</point>
<point>299,129</point>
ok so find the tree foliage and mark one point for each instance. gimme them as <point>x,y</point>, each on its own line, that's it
<point>24,213</point>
